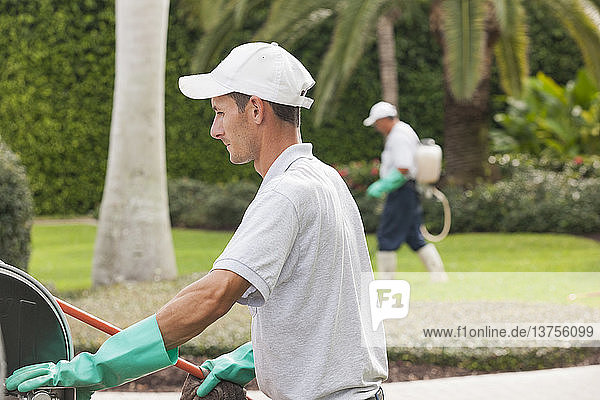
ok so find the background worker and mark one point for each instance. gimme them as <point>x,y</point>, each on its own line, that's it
<point>299,260</point>
<point>401,218</point>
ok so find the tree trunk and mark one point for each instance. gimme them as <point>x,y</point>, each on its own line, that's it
<point>388,67</point>
<point>466,135</point>
<point>134,240</point>
<point>466,122</point>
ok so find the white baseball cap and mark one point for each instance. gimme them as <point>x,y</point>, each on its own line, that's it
<point>255,69</point>
<point>378,111</point>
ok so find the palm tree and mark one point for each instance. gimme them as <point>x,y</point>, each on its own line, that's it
<point>134,233</point>
<point>470,32</point>
<point>356,22</point>
<point>467,32</point>
<point>386,46</point>
<point>388,65</point>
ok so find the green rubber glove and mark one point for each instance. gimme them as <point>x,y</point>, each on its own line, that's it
<point>131,353</point>
<point>391,182</point>
<point>236,367</point>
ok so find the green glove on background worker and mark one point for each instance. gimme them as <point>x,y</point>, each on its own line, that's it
<point>236,367</point>
<point>130,354</point>
<point>391,182</point>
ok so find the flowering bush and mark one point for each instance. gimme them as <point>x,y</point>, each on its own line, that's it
<point>578,167</point>
<point>358,175</point>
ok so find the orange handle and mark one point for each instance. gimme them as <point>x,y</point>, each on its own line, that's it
<point>109,328</point>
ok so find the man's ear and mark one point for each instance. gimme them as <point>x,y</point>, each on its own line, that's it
<point>256,108</point>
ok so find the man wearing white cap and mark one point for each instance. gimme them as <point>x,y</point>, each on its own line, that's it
<point>401,218</point>
<point>299,260</point>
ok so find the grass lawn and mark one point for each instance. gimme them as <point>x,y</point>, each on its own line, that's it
<point>62,258</point>
<point>62,253</point>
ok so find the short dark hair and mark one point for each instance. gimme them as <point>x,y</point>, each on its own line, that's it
<point>285,113</point>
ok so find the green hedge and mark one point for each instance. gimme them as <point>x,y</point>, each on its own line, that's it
<point>56,87</point>
<point>526,199</point>
<point>196,204</point>
<point>201,205</point>
<point>16,210</point>
<point>56,81</point>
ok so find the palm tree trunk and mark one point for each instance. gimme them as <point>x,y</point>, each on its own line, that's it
<point>134,233</point>
<point>466,122</point>
<point>465,135</point>
<point>388,67</point>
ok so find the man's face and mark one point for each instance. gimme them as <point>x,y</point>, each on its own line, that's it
<point>381,126</point>
<point>233,129</point>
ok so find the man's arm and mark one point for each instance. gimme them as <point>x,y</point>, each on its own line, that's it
<point>391,182</point>
<point>198,305</point>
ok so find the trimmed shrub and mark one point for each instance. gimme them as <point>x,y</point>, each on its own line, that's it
<point>56,87</point>
<point>196,204</point>
<point>578,167</point>
<point>528,199</point>
<point>201,205</point>
<point>16,210</point>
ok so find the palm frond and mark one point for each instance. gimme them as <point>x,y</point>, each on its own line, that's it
<point>211,12</point>
<point>219,20</point>
<point>353,33</point>
<point>290,19</point>
<point>210,47</point>
<point>464,36</point>
<point>511,48</point>
<point>204,15</point>
<point>240,10</point>
<point>581,19</point>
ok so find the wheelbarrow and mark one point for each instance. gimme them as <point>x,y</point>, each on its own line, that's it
<point>34,329</point>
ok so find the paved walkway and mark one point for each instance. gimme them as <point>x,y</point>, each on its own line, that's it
<point>580,383</point>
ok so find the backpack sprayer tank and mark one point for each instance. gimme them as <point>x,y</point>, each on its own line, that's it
<point>428,160</point>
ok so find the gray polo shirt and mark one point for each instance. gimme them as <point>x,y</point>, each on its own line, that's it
<point>302,247</point>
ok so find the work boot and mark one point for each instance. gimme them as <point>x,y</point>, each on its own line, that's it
<point>433,262</point>
<point>386,261</point>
